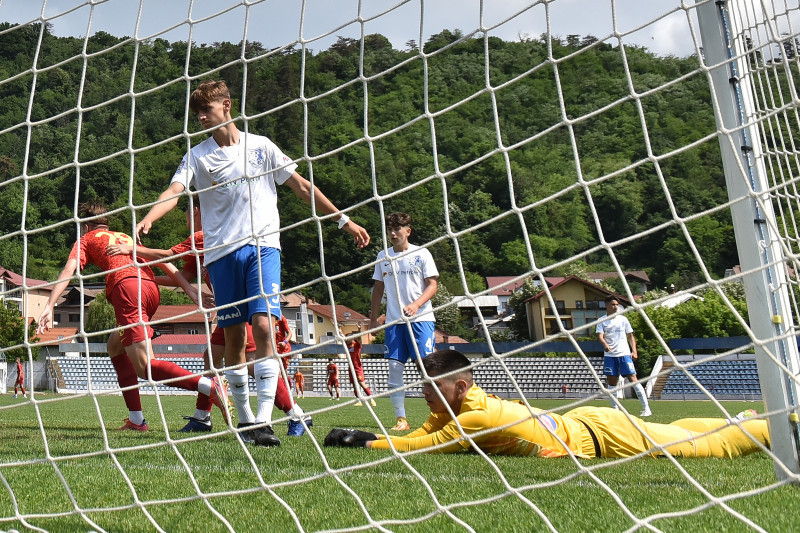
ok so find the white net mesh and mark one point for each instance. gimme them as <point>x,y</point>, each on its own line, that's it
<point>615,163</point>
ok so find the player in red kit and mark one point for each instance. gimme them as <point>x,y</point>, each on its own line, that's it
<point>133,293</point>
<point>20,382</point>
<point>356,370</point>
<point>201,420</point>
<point>333,379</point>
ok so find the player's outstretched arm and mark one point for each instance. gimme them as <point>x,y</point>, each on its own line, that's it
<point>142,252</point>
<point>166,201</point>
<point>303,189</point>
<point>70,267</point>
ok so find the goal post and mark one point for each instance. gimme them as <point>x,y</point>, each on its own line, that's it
<point>762,254</point>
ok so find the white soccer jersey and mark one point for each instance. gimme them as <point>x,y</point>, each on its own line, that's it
<point>237,190</point>
<point>411,268</point>
<point>615,331</point>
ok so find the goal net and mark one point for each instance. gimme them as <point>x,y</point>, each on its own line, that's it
<point>540,141</point>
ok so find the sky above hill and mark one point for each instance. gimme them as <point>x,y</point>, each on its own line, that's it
<point>662,26</point>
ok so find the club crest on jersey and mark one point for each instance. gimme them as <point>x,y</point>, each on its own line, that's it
<point>416,262</point>
<point>256,157</point>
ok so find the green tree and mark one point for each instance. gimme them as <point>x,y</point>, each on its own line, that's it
<point>100,317</point>
<point>448,319</point>
<point>12,334</point>
<point>709,315</point>
<point>519,323</point>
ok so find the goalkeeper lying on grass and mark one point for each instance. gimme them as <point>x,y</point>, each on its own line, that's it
<point>507,428</point>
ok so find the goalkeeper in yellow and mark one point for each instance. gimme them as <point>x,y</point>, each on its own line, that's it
<point>506,427</point>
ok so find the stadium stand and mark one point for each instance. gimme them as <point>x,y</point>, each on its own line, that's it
<point>730,378</point>
<point>536,377</point>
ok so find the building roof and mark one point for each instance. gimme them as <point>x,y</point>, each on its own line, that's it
<point>639,275</point>
<point>486,300</point>
<point>18,281</point>
<point>172,313</point>
<point>295,299</point>
<point>56,336</point>
<point>341,310</point>
<point>444,338</point>
<point>504,285</point>
<point>624,301</point>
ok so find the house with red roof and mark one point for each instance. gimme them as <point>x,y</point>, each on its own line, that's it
<point>26,294</point>
<point>578,302</point>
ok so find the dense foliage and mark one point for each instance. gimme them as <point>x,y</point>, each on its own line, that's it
<point>438,150</point>
<point>12,333</point>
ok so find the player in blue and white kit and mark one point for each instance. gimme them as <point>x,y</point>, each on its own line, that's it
<point>408,276</point>
<point>615,333</point>
<point>236,175</point>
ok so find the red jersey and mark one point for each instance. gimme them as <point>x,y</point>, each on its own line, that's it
<point>189,261</point>
<point>333,371</point>
<point>282,335</point>
<point>91,249</point>
<point>20,371</point>
<point>355,355</point>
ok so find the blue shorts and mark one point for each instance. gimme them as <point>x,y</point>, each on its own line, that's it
<point>235,277</point>
<point>618,366</point>
<point>400,343</point>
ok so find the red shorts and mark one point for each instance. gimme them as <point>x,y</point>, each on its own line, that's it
<point>125,299</point>
<point>20,381</point>
<point>218,338</point>
<point>359,371</point>
<point>333,382</point>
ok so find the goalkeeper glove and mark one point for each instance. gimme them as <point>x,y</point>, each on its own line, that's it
<point>348,438</point>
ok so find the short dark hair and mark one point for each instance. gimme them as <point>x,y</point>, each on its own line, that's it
<point>207,92</point>
<point>447,361</point>
<point>398,220</point>
<point>96,211</point>
<point>611,298</point>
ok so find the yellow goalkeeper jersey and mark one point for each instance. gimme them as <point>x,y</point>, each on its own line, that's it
<point>499,427</point>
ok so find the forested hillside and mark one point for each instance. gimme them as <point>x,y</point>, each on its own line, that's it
<point>81,135</point>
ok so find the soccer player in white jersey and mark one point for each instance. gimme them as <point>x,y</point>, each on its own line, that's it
<point>408,276</point>
<point>616,335</point>
<point>236,175</point>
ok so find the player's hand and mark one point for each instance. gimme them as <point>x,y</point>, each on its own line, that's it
<point>410,310</point>
<point>208,300</point>
<point>44,321</point>
<point>348,438</point>
<point>119,249</point>
<point>360,235</point>
<point>142,227</point>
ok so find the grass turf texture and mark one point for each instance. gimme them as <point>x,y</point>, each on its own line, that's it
<point>130,481</point>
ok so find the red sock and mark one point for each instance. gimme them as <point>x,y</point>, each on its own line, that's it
<point>369,392</point>
<point>126,377</point>
<point>283,399</point>
<point>163,370</point>
<point>203,402</point>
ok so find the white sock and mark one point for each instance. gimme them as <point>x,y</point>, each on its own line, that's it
<point>200,414</point>
<point>296,412</point>
<point>204,385</point>
<point>395,381</point>
<point>237,381</point>
<point>613,391</point>
<point>267,372</point>
<point>639,390</point>
<point>137,417</point>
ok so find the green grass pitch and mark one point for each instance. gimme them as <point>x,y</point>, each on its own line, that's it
<point>60,472</point>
